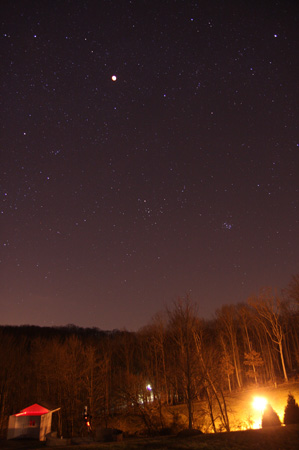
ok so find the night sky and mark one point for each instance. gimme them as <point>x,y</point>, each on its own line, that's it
<point>179,176</point>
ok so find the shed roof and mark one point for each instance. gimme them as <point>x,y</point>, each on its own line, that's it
<point>33,410</point>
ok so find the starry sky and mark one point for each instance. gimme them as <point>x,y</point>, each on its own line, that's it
<point>149,150</point>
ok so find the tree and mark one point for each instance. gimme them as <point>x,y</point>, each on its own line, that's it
<point>13,372</point>
<point>268,308</point>
<point>158,333</point>
<point>293,288</point>
<point>227,368</point>
<point>270,418</point>
<point>253,360</point>
<point>227,320</point>
<point>291,411</point>
<point>267,350</point>
<point>212,376</point>
<point>182,323</point>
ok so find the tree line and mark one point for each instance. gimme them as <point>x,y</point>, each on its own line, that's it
<point>178,358</point>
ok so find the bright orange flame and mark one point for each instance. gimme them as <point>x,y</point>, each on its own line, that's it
<point>259,403</point>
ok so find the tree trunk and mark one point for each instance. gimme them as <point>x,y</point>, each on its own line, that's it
<point>282,362</point>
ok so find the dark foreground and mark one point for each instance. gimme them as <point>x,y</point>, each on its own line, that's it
<point>278,438</point>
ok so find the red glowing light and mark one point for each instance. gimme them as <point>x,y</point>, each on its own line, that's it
<point>33,410</point>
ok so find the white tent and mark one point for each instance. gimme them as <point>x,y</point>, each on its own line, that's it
<point>33,422</point>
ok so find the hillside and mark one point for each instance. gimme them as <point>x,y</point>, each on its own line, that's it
<point>241,412</point>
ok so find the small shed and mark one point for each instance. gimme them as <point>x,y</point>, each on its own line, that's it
<point>33,422</point>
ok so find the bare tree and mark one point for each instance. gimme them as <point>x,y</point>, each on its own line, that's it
<point>268,309</point>
<point>292,290</point>
<point>13,370</point>
<point>182,323</point>
<point>212,377</point>
<point>227,366</point>
<point>158,341</point>
<point>227,319</point>
<point>251,357</point>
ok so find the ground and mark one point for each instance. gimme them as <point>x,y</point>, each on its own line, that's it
<point>278,438</point>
